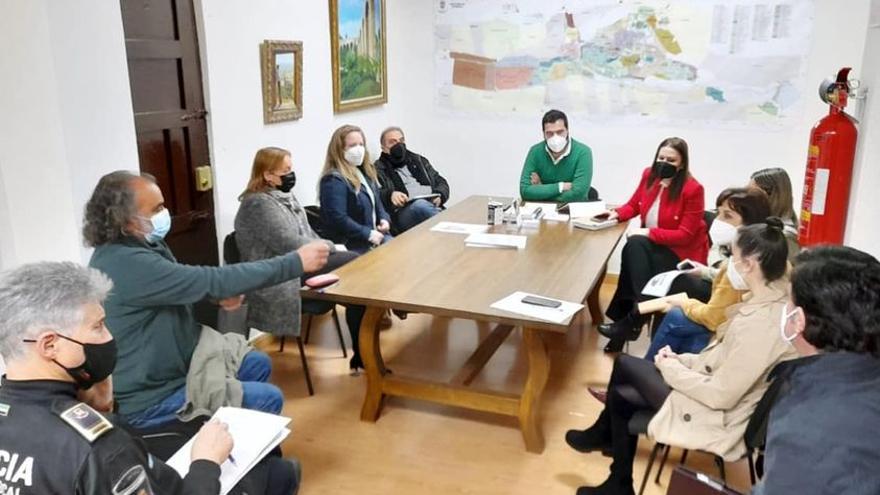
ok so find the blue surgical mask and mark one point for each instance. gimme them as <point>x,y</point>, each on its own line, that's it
<point>161,225</point>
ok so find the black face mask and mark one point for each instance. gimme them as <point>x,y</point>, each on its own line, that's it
<point>100,359</point>
<point>287,182</point>
<point>664,170</point>
<point>397,154</point>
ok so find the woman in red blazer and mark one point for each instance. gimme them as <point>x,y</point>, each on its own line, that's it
<point>670,203</point>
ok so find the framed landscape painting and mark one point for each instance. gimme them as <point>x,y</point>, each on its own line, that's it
<point>357,40</point>
<point>281,63</point>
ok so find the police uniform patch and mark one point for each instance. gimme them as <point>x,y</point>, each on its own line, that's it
<point>86,421</point>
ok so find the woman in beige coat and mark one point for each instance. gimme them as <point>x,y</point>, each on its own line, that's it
<point>703,401</point>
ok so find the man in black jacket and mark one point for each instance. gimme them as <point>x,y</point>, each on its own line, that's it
<point>59,358</point>
<point>409,186</point>
<point>822,435</point>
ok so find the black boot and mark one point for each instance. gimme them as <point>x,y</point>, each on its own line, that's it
<point>611,486</point>
<point>614,345</point>
<point>355,365</point>
<point>627,328</point>
<point>596,437</point>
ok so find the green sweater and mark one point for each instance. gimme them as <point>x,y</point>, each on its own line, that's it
<point>149,312</point>
<point>576,168</point>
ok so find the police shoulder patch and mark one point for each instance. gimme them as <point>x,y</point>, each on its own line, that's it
<point>86,421</point>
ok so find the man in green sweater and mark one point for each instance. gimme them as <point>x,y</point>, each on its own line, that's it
<point>149,312</point>
<point>559,168</point>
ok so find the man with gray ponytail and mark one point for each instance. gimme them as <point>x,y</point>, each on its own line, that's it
<point>59,358</point>
<point>150,310</point>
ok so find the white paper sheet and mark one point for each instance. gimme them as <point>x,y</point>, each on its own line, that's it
<point>496,240</point>
<point>659,285</point>
<point>254,434</point>
<point>513,303</point>
<point>553,216</point>
<point>585,209</point>
<point>589,224</point>
<point>459,228</point>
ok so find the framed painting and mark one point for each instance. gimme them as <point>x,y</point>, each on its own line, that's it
<point>358,58</point>
<point>281,63</point>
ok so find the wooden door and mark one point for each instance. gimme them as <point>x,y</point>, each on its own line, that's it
<point>169,112</point>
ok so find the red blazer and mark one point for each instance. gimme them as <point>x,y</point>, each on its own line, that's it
<point>680,224</point>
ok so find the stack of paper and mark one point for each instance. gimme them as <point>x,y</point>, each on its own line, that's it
<point>459,228</point>
<point>513,303</point>
<point>254,434</point>
<point>592,224</point>
<point>504,241</point>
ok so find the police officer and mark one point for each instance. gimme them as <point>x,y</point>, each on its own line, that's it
<point>59,357</point>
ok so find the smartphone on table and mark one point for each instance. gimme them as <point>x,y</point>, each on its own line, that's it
<point>541,301</point>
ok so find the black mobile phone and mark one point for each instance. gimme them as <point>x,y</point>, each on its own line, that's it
<point>601,216</point>
<point>541,301</point>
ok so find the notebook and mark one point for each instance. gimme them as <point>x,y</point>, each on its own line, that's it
<point>254,434</point>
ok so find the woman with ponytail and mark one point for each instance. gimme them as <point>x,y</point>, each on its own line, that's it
<point>702,401</point>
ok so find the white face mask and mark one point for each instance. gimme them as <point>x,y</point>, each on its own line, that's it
<point>722,233</point>
<point>355,155</point>
<point>161,223</point>
<point>557,143</point>
<point>736,279</point>
<point>785,318</point>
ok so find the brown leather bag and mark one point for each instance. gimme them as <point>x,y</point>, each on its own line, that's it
<point>687,482</point>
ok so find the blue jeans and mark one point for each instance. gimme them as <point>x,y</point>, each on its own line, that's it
<point>258,395</point>
<point>415,213</point>
<point>680,333</point>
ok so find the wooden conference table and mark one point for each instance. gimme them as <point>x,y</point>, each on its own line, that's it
<point>432,272</point>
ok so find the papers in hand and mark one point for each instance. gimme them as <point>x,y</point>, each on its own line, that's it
<point>459,228</point>
<point>513,303</point>
<point>659,284</point>
<point>503,241</point>
<point>426,197</point>
<point>254,434</point>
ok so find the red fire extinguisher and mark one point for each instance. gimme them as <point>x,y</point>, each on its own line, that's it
<point>829,168</point>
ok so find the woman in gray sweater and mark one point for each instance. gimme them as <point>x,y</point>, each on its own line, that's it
<point>269,222</point>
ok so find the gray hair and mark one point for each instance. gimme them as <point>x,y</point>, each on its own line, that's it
<point>42,296</point>
<point>386,131</point>
<point>111,208</point>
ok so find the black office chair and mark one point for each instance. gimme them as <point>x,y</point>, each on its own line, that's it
<point>754,438</point>
<point>592,194</point>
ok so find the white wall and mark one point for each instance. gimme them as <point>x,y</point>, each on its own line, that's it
<point>36,178</point>
<point>66,119</point>
<point>486,155</point>
<point>862,232</point>
<point>65,114</point>
<point>477,155</point>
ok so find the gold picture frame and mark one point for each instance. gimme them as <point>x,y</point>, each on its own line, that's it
<point>358,57</point>
<point>281,67</point>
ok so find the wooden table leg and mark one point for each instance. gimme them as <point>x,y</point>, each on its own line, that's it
<point>529,405</point>
<point>373,363</point>
<point>593,299</point>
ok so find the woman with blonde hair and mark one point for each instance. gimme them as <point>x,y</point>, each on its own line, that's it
<point>270,222</point>
<point>776,183</point>
<point>351,209</point>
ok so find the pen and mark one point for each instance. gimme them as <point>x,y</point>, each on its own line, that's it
<point>232,460</point>
<point>537,212</point>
